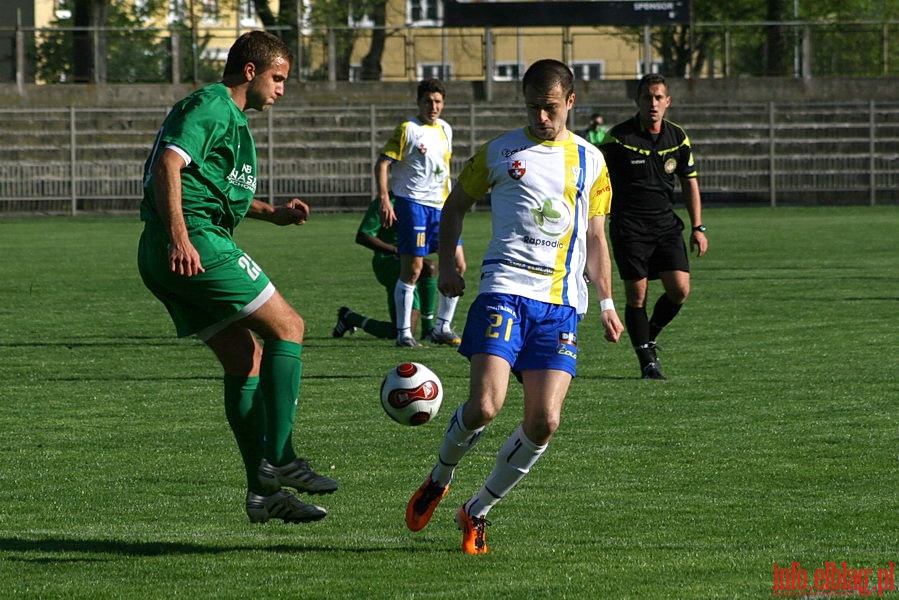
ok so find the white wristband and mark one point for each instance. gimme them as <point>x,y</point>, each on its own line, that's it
<point>607,304</point>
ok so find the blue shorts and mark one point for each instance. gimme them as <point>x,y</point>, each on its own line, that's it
<point>417,227</point>
<point>528,334</point>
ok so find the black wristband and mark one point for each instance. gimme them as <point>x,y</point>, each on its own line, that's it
<point>699,228</point>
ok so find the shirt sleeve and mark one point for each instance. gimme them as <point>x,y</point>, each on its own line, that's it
<point>396,145</point>
<point>474,177</point>
<point>687,168</point>
<point>601,194</point>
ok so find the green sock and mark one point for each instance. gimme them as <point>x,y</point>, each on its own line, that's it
<point>380,329</point>
<point>427,300</point>
<point>246,416</point>
<point>279,383</point>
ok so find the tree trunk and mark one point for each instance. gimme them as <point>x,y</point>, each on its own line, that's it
<point>777,44</point>
<point>371,62</point>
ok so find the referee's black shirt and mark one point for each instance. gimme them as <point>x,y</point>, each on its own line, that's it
<point>643,167</point>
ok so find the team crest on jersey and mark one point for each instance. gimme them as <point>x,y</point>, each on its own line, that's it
<point>422,149</point>
<point>517,169</point>
<point>670,165</point>
<point>552,217</point>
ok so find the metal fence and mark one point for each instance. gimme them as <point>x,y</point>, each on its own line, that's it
<point>77,159</point>
<point>160,55</point>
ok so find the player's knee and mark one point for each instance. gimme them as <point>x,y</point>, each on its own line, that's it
<point>295,328</point>
<point>478,414</point>
<point>540,430</point>
<point>429,269</point>
<point>239,356</point>
<point>678,295</point>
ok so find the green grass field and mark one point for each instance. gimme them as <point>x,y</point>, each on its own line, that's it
<point>775,439</point>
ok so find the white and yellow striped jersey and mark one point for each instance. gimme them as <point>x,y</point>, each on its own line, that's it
<point>421,161</point>
<point>542,195</point>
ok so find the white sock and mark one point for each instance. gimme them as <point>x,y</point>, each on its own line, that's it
<point>513,462</point>
<point>403,295</point>
<point>456,442</point>
<point>446,309</point>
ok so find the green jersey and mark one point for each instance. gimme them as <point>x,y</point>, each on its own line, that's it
<point>371,225</point>
<point>219,183</point>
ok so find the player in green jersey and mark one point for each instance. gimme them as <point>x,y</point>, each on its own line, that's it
<point>385,262</point>
<point>199,183</point>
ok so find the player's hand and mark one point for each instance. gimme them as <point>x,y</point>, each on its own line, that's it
<point>388,216</point>
<point>295,212</point>
<point>451,284</point>
<point>699,242</point>
<point>184,259</point>
<point>612,324</point>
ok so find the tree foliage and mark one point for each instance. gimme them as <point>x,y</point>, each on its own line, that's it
<point>331,19</point>
<point>769,48</point>
<point>129,52</point>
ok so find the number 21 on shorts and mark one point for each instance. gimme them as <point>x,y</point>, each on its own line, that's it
<point>500,326</point>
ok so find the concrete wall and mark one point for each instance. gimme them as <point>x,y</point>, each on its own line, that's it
<point>698,91</point>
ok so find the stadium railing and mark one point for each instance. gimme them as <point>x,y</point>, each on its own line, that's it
<point>73,160</point>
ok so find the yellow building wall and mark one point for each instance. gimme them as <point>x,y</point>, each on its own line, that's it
<point>462,49</point>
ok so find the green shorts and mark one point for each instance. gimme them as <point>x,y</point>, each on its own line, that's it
<point>231,287</point>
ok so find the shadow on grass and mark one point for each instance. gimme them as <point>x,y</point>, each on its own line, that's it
<point>68,549</point>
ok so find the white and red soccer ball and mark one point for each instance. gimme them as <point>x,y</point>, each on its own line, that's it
<point>411,394</point>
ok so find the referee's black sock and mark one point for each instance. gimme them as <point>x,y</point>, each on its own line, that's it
<point>663,313</point>
<point>637,325</point>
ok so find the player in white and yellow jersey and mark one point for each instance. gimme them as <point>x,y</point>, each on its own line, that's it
<point>550,193</point>
<point>413,180</point>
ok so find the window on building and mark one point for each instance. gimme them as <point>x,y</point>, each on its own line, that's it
<point>655,67</point>
<point>62,9</point>
<point>424,12</point>
<point>507,71</point>
<point>248,16</point>
<point>355,73</point>
<point>209,11</point>
<point>434,71</point>
<point>588,71</point>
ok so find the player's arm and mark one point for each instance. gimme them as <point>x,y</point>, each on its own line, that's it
<point>599,271</point>
<point>693,202</point>
<point>374,243</point>
<point>295,212</point>
<point>166,173</point>
<point>450,281</point>
<point>382,180</point>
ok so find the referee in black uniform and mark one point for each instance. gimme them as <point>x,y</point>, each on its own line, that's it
<point>644,156</point>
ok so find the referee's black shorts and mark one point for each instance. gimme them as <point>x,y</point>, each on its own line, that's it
<point>645,259</point>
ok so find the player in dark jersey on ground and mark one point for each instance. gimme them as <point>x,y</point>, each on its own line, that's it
<point>645,154</point>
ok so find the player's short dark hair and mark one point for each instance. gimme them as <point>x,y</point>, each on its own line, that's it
<point>258,47</point>
<point>546,73</point>
<point>430,86</point>
<point>650,79</point>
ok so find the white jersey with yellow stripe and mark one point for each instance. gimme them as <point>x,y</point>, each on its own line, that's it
<point>421,161</point>
<point>542,194</point>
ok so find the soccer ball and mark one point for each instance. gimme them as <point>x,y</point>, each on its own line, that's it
<point>411,394</point>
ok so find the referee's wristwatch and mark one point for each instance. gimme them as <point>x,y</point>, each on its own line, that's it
<point>699,228</point>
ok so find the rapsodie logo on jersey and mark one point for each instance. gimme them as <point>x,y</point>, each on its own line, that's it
<point>553,217</point>
<point>243,178</point>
